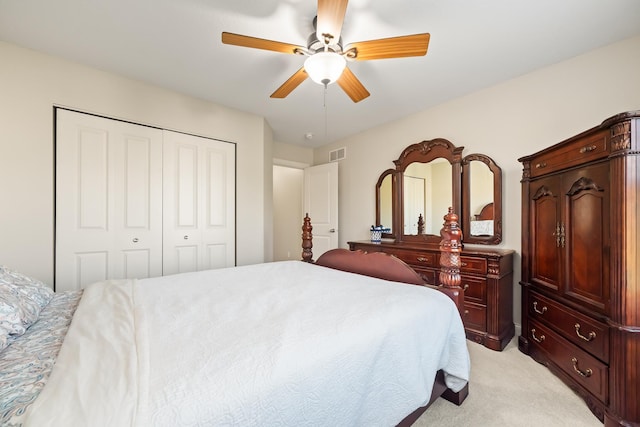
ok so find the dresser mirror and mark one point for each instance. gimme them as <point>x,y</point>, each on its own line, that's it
<point>481,200</point>
<point>432,176</point>
<point>384,202</point>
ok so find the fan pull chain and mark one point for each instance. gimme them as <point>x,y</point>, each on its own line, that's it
<point>325,113</point>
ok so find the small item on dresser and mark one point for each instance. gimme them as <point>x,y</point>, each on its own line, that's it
<point>376,232</point>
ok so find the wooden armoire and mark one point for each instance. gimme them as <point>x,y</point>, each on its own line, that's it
<point>581,265</point>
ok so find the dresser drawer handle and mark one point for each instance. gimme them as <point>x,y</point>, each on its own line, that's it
<point>588,149</point>
<point>535,308</point>
<point>585,374</point>
<point>463,264</point>
<point>466,286</point>
<point>536,339</point>
<point>590,337</point>
<point>422,259</point>
<point>541,165</point>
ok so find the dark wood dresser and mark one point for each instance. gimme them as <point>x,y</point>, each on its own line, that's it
<point>581,266</point>
<point>487,280</point>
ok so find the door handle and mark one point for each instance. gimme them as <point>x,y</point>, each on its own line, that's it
<point>332,230</point>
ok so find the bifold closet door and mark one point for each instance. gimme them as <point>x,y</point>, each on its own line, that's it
<point>199,203</point>
<point>108,200</point>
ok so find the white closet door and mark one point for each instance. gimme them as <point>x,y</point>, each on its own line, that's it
<point>108,200</point>
<point>199,203</point>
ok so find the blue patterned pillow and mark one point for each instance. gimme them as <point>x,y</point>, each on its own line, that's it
<point>21,300</point>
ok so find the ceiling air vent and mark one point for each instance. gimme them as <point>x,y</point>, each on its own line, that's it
<point>337,155</point>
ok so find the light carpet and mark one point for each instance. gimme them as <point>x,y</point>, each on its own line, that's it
<point>508,388</point>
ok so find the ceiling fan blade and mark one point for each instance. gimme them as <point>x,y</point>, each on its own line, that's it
<point>256,43</point>
<point>352,86</point>
<point>330,18</point>
<point>292,83</point>
<point>394,47</point>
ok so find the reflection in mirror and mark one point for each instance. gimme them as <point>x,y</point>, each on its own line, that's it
<point>481,199</point>
<point>427,192</point>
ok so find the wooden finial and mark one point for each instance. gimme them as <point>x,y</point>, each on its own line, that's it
<point>450,248</point>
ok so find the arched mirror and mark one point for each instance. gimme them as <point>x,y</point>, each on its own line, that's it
<point>481,200</point>
<point>428,184</point>
<point>384,201</point>
<point>432,176</point>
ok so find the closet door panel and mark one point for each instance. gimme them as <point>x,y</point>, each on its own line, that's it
<point>219,205</point>
<point>199,203</point>
<point>108,200</point>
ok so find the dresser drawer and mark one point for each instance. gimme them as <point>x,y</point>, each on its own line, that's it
<point>475,265</point>
<point>475,316</point>
<point>589,334</point>
<point>586,370</point>
<point>475,289</point>
<point>417,258</point>
<point>580,151</point>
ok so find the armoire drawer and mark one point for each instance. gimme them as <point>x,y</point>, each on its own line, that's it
<point>586,370</point>
<point>475,289</point>
<point>589,334</point>
<point>475,316</point>
<point>474,265</point>
<point>577,152</point>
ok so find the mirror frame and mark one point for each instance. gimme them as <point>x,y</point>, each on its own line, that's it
<point>496,238</point>
<point>424,152</point>
<point>383,175</point>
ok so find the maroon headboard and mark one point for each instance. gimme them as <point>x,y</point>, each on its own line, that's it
<point>388,267</point>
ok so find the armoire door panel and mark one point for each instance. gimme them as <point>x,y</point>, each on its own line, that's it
<point>546,242</point>
<point>587,242</point>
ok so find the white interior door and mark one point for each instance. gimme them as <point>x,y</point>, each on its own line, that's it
<point>108,200</point>
<point>321,203</point>
<point>199,203</point>
<point>414,206</point>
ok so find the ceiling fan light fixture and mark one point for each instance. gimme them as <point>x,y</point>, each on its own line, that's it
<point>325,67</point>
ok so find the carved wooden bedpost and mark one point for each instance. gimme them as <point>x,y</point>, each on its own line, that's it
<point>450,248</point>
<point>307,238</point>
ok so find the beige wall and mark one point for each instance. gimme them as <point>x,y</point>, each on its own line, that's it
<point>505,122</point>
<point>32,83</point>
<point>293,153</point>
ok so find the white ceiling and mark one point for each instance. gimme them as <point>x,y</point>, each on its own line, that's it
<point>176,44</point>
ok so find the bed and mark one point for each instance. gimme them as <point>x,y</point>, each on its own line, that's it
<point>329,342</point>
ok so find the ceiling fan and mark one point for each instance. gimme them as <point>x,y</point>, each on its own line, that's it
<point>327,55</point>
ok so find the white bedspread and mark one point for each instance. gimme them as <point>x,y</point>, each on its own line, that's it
<point>277,344</point>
